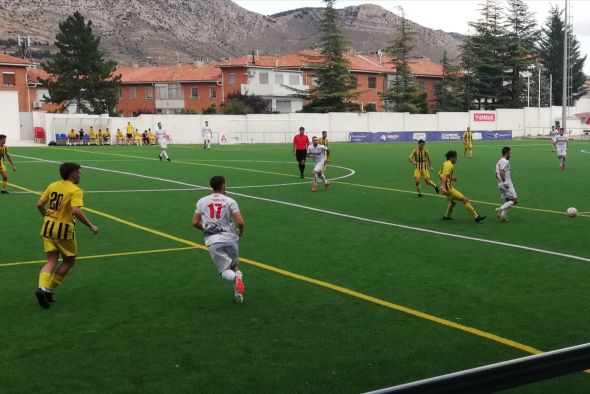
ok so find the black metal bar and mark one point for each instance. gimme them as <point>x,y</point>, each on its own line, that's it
<point>504,375</point>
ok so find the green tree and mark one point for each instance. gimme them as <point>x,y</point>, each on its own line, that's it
<point>240,104</point>
<point>80,72</point>
<point>520,51</point>
<point>448,90</point>
<point>484,60</point>
<point>402,94</point>
<point>334,82</point>
<point>551,53</point>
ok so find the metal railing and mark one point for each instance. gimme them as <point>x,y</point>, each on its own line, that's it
<point>504,375</point>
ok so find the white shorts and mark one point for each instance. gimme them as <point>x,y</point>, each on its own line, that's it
<point>561,152</point>
<point>318,167</point>
<point>207,137</point>
<point>509,194</point>
<point>224,255</point>
<point>164,144</point>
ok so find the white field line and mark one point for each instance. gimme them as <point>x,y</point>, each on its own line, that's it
<point>358,218</point>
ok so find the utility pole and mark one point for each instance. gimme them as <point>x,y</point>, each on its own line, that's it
<point>565,66</point>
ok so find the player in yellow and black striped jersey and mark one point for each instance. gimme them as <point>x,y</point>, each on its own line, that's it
<point>4,155</point>
<point>468,143</point>
<point>420,158</point>
<point>60,206</point>
<point>324,141</point>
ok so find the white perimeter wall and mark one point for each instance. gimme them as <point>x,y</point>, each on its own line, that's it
<point>280,128</point>
<point>9,117</point>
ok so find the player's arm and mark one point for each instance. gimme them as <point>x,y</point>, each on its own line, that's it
<point>197,221</point>
<point>411,158</point>
<point>78,214</point>
<point>239,221</point>
<point>428,161</point>
<point>294,146</point>
<point>10,160</point>
<point>443,184</point>
<point>502,173</point>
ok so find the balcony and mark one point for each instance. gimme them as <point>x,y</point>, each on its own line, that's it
<point>169,104</point>
<point>271,90</point>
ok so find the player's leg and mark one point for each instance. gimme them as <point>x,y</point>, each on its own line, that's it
<point>471,151</point>
<point>46,273</point>
<point>469,207</point>
<point>449,211</point>
<point>324,179</point>
<point>431,183</point>
<point>225,258</point>
<point>208,143</point>
<point>4,181</point>
<point>418,187</point>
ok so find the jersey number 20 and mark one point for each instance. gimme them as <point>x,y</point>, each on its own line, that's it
<point>55,201</point>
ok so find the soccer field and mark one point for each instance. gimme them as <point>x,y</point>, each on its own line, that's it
<point>353,289</point>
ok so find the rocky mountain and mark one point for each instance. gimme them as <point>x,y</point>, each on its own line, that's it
<point>171,31</point>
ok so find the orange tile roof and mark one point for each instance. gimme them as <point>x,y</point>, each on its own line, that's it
<point>36,74</point>
<point>13,60</point>
<point>183,73</point>
<point>359,63</point>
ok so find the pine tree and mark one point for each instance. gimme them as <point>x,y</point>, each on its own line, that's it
<point>520,51</point>
<point>80,72</point>
<point>333,93</point>
<point>402,94</point>
<point>484,59</point>
<point>448,89</point>
<point>551,53</point>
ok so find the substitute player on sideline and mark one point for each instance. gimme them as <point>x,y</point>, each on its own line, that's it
<point>65,200</point>
<point>468,142</point>
<point>4,155</point>
<point>447,179</point>
<point>300,144</point>
<point>161,135</point>
<point>505,185</point>
<point>561,143</point>
<point>318,153</point>
<point>207,135</point>
<point>217,216</point>
<point>420,158</point>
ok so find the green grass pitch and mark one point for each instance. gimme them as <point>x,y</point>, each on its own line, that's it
<point>165,322</point>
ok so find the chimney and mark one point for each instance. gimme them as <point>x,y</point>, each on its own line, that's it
<point>253,58</point>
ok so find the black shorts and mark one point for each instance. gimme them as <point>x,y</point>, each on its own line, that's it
<point>301,154</point>
<point>129,136</point>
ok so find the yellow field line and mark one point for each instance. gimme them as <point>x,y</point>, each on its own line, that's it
<point>338,182</point>
<point>100,256</point>
<point>327,285</point>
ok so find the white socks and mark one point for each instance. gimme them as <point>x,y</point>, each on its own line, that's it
<point>507,205</point>
<point>229,275</point>
<point>164,154</point>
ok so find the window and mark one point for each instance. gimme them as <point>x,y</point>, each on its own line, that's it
<point>171,91</point>
<point>212,92</point>
<point>133,93</point>
<point>372,82</point>
<point>120,93</point>
<point>293,79</point>
<point>149,92</point>
<point>354,81</point>
<point>314,81</point>
<point>263,78</point>
<point>8,79</point>
<point>194,92</point>
<point>231,78</point>
<point>421,85</point>
<point>279,80</point>
<point>283,106</point>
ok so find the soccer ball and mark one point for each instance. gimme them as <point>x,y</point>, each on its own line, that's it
<point>572,212</point>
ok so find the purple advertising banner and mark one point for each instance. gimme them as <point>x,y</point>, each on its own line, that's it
<point>431,136</point>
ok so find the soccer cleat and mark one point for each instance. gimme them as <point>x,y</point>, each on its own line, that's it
<point>239,283</point>
<point>498,213</point>
<point>447,218</point>
<point>326,186</point>
<point>505,219</point>
<point>160,156</point>
<point>420,195</point>
<point>4,192</point>
<point>49,296</point>
<point>436,189</point>
<point>168,159</point>
<point>479,218</point>
<point>314,187</point>
<point>42,298</point>
<point>238,297</point>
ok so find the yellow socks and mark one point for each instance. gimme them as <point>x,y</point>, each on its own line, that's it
<point>3,185</point>
<point>55,281</point>
<point>470,209</point>
<point>45,280</point>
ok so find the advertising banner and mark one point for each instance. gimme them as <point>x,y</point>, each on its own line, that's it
<point>430,136</point>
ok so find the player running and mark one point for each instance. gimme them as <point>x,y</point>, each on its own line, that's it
<point>161,135</point>
<point>447,179</point>
<point>505,185</point>
<point>318,152</point>
<point>65,201</point>
<point>217,216</point>
<point>468,142</point>
<point>207,135</point>
<point>4,155</point>
<point>300,144</point>
<point>561,144</point>
<point>420,158</point>
<point>323,140</point>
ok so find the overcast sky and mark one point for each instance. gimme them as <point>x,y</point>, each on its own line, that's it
<point>447,15</point>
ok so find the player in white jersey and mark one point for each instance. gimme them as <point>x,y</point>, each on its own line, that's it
<point>318,153</point>
<point>505,185</point>
<point>207,135</point>
<point>561,143</point>
<point>161,135</point>
<point>217,216</point>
